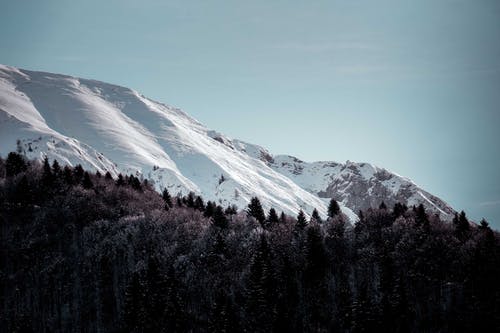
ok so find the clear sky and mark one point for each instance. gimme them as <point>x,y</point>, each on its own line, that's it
<point>413,86</point>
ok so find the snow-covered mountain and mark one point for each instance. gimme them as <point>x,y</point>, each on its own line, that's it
<point>111,128</point>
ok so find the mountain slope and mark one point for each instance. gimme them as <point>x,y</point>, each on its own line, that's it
<point>111,128</point>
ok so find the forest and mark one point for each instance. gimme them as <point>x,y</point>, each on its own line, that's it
<point>86,252</point>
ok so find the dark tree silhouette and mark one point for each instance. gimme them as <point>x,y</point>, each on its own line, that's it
<point>301,221</point>
<point>333,208</point>
<point>110,259</point>
<point>255,210</point>
<point>167,199</point>
<point>219,218</point>
<point>315,216</point>
<point>15,164</point>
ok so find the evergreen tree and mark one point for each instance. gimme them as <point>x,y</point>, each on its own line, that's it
<point>108,176</point>
<point>47,177</point>
<point>134,182</point>
<point>190,200</point>
<point>272,217</point>
<point>120,181</point>
<point>315,216</point>
<point>301,221</point>
<point>333,208</point>
<point>199,204</point>
<point>461,226</point>
<point>209,209</point>
<point>282,217</point>
<point>23,192</point>
<point>382,206</point>
<point>56,169</point>
<point>157,289</point>
<point>15,164</point>
<point>87,182</point>
<point>255,210</point>
<point>421,218</point>
<point>78,173</point>
<point>231,210</point>
<point>399,210</point>
<point>260,313</point>
<point>219,218</point>
<point>68,175</point>
<point>316,289</point>
<point>167,199</point>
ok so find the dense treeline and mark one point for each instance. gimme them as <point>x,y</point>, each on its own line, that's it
<point>84,252</point>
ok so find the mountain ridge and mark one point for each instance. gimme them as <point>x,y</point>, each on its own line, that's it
<point>107,127</point>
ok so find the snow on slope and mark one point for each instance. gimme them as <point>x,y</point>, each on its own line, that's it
<point>110,128</point>
<point>357,186</point>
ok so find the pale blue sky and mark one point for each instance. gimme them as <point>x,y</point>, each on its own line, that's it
<point>413,86</point>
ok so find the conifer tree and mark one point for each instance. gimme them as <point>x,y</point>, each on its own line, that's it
<point>219,218</point>
<point>167,199</point>
<point>47,177</point>
<point>23,193</point>
<point>255,210</point>
<point>78,173</point>
<point>87,182</point>
<point>272,217</point>
<point>333,208</point>
<point>68,175</point>
<point>421,218</point>
<point>461,225</point>
<point>209,209</point>
<point>56,168</point>
<point>259,290</point>
<point>199,204</point>
<point>231,210</point>
<point>134,182</point>
<point>399,209</point>
<point>157,288</point>
<point>15,164</point>
<point>120,181</point>
<point>314,277</point>
<point>315,216</point>
<point>190,199</point>
<point>282,217</point>
<point>301,221</point>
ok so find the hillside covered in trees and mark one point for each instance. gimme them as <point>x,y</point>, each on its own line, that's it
<point>84,252</point>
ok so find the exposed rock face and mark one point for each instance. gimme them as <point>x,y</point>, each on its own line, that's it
<point>358,186</point>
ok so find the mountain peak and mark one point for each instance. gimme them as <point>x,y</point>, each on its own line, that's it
<point>106,127</point>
